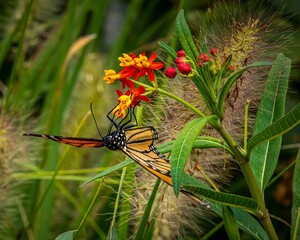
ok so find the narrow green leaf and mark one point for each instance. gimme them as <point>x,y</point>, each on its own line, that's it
<point>185,37</point>
<point>143,223</point>
<point>223,198</point>
<point>232,79</point>
<point>295,230</point>
<point>249,224</point>
<point>246,222</point>
<point>114,168</point>
<point>200,189</point>
<point>169,50</point>
<point>182,148</point>
<point>230,223</point>
<point>150,230</point>
<point>264,157</point>
<point>69,235</point>
<point>278,128</point>
<point>201,142</point>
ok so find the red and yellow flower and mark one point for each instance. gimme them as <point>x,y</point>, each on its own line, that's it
<point>133,67</point>
<point>129,99</point>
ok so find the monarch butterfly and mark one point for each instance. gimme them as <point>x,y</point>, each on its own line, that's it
<point>135,142</point>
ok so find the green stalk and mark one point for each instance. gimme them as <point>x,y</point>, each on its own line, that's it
<point>113,221</point>
<point>246,121</point>
<point>251,182</point>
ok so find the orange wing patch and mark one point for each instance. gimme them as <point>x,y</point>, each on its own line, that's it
<point>76,142</point>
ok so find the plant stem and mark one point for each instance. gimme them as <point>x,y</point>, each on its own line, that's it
<point>185,103</point>
<point>251,182</point>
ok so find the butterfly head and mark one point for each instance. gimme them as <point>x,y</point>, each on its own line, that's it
<point>115,140</point>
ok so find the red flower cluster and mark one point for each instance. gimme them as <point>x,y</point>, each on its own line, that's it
<point>212,61</point>
<point>182,65</point>
<point>133,67</point>
<point>138,66</point>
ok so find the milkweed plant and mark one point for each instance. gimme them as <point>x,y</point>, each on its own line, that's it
<point>214,75</point>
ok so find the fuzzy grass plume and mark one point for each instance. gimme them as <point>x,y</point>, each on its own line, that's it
<point>14,158</point>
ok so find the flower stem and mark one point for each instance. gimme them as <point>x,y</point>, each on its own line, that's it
<point>185,103</point>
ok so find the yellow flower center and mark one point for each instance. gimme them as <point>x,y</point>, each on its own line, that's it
<point>142,61</point>
<point>121,109</point>
<point>125,101</point>
<point>110,76</point>
<point>126,61</point>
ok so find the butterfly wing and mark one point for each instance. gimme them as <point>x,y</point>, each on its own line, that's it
<point>76,142</point>
<point>139,147</point>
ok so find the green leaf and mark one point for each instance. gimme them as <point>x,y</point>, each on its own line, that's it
<point>230,223</point>
<point>278,128</point>
<point>249,224</point>
<point>169,50</point>
<point>144,221</point>
<point>246,222</point>
<point>223,198</point>
<point>201,142</point>
<point>231,80</point>
<point>182,148</point>
<point>264,157</point>
<point>185,37</point>
<point>295,230</point>
<point>150,230</point>
<point>202,191</point>
<point>114,168</point>
<point>69,235</point>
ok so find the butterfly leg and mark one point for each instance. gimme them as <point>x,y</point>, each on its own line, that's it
<point>132,115</point>
<point>112,120</point>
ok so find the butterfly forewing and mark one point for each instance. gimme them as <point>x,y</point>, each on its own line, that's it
<point>142,135</point>
<point>76,142</point>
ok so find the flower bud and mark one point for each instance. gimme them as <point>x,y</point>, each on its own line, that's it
<point>170,72</point>
<point>179,60</point>
<point>230,68</point>
<point>184,68</point>
<point>213,51</point>
<point>181,53</point>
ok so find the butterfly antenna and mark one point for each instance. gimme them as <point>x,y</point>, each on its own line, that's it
<point>91,107</point>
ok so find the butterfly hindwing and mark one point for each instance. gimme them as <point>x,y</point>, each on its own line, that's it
<point>139,147</point>
<point>76,142</point>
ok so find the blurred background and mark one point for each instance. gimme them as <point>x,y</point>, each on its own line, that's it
<point>52,57</point>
